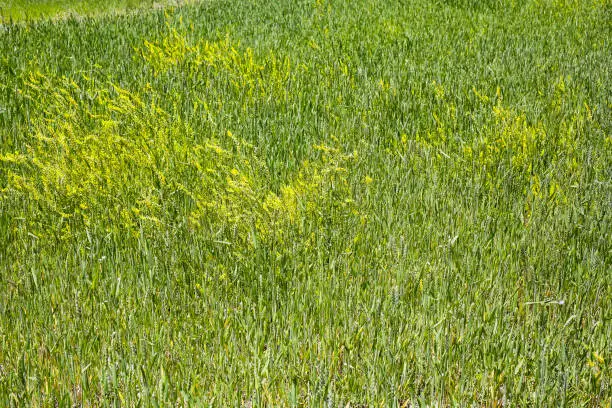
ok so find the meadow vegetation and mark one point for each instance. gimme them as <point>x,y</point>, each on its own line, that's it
<point>308,203</point>
<point>20,10</point>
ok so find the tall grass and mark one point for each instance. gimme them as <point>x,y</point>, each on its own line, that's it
<point>308,203</point>
<point>23,10</point>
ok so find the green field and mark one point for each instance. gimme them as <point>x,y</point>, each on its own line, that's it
<point>20,10</point>
<point>338,203</point>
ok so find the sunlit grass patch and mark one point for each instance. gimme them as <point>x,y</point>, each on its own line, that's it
<point>100,158</point>
<point>220,63</point>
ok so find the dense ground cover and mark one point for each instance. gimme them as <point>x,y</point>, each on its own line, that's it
<point>19,10</point>
<point>304,203</point>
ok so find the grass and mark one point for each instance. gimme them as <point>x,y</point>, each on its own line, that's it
<point>338,203</point>
<point>20,10</point>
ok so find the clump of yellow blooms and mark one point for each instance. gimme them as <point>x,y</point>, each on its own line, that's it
<point>120,164</point>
